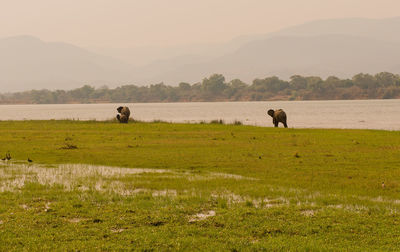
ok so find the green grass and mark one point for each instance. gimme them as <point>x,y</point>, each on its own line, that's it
<point>301,189</point>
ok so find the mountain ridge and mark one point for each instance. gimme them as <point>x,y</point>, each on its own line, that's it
<point>341,47</point>
<point>29,61</point>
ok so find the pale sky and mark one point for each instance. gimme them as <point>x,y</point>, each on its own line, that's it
<point>131,23</point>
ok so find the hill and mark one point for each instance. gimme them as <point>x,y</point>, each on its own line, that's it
<point>325,55</point>
<point>339,47</point>
<point>326,47</point>
<point>27,62</point>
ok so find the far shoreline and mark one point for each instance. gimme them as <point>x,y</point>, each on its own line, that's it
<point>197,102</point>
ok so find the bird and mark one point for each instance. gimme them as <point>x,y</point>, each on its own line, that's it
<point>383,185</point>
<point>30,160</point>
<point>8,156</point>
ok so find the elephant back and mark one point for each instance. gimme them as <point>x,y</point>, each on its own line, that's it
<point>280,115</point>
<point>125,112</point>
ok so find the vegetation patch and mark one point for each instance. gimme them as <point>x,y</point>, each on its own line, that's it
<point>68,146</point>
<point>383,85</point>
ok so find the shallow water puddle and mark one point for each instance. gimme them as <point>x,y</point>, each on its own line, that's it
<point>230,176</point>
<point>83,177</point>
<point>202,216</point>
<point>118,230</point>
<point>113,180</point>
<point>308,213</point>
<point>76,220</point>
<point>232,198</point>
<point>14,176</point>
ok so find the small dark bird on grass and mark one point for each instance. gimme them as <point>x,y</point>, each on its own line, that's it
<point>30,160</point>
<point>8,156</point>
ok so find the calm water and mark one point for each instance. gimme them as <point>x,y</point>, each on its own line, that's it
<point>365,114</point>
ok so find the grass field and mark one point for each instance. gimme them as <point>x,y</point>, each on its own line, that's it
<point>197,187</point>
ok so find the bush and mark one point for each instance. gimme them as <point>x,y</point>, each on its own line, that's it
<point>220,121</point>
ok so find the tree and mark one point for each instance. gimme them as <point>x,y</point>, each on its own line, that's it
<point>271,84</point>
<point>386,79</point>
<point>315,83</point>
<point>274,84</point>
<point>158,92</point>
<point>259,85</point>
<point>237,84</point>
<point>234,87</point>
<point>332,82</point>
<point>365,81</point>
<point>83,92</point>
<point>298,82</point>
<point>184,86</point>
<point>214,85</point>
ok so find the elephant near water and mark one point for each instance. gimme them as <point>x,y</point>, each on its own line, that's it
<point>124,113</point>
<point>278,116</point>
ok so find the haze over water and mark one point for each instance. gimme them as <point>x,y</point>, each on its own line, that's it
<point>360,114</point>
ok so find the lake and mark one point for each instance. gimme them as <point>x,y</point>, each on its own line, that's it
<point>359,114</point>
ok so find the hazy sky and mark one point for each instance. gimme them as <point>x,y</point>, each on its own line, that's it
<point>131,23</point>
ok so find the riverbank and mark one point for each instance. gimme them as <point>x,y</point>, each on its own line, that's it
<point>205,186</point>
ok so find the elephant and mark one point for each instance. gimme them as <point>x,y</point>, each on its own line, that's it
<point>125,113</point>
<point>278,116</point>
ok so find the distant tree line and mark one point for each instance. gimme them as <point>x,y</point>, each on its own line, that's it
<point>215,88</point>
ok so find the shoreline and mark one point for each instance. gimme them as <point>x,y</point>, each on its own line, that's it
<point>197,102</point>
<point>211,122</point>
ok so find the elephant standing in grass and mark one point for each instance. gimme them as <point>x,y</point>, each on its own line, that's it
<point>278,116</point>
<point>123,117</point>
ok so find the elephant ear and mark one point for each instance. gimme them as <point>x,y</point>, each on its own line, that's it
<point>271,112</point>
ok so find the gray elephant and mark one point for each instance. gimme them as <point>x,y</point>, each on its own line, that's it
<point>123,117</point>
<point>278,116</point>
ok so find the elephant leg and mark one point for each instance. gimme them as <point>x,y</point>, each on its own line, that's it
<point>285,124</point>
<point>119,118</point>
<point>275,122</point>
<point>124,119</point>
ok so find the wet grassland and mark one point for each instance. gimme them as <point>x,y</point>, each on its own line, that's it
<point>108,186</point>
